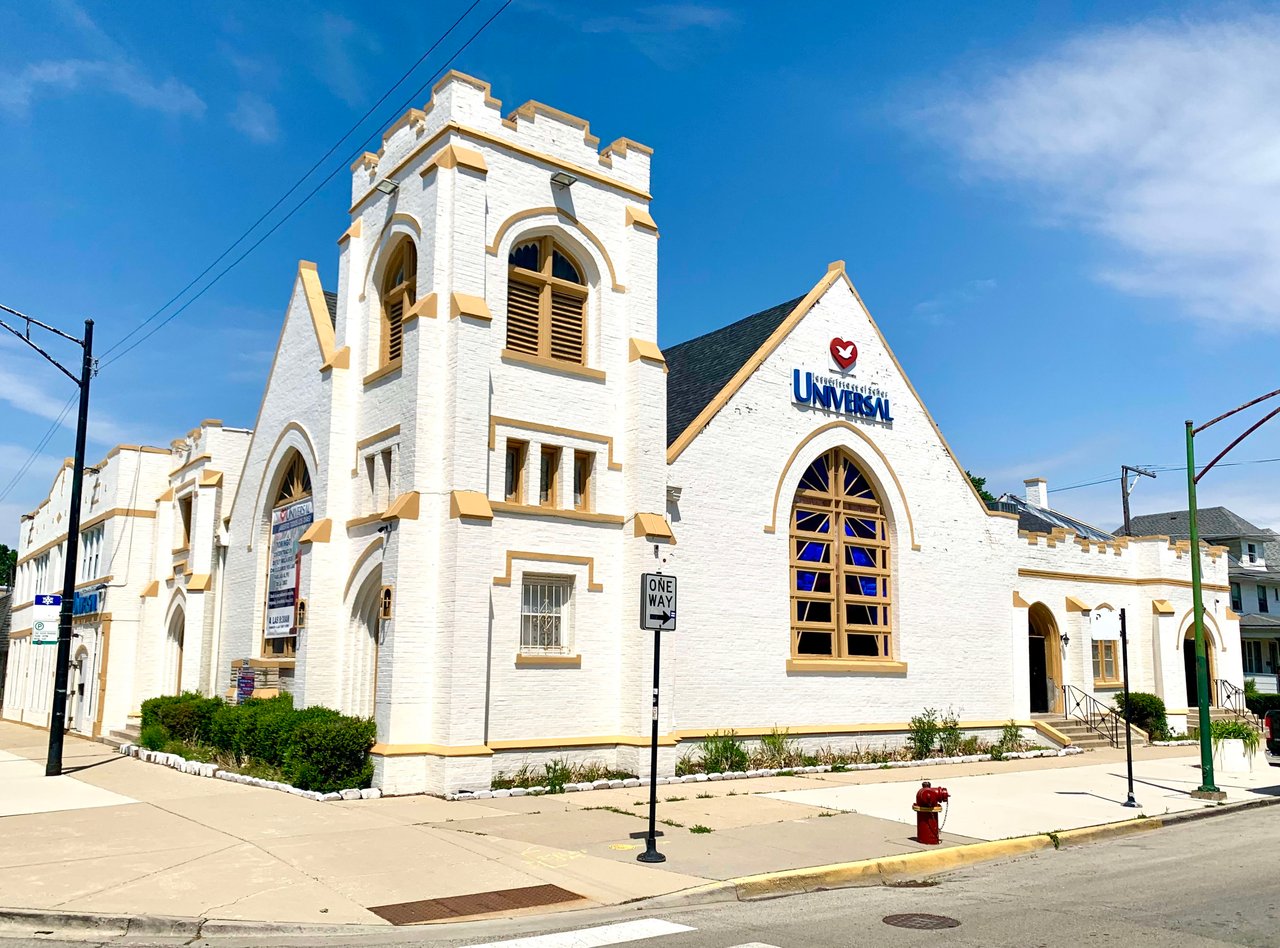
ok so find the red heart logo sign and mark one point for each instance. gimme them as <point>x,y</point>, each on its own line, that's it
<point>843,352</point>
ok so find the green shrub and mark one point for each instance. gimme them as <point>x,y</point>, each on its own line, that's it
<point>723,753</point>
<point>1010,741</point>
<point>154,736</point>
<point>186,716</point>
<point>971,745</point>
<point>1147,712</point>
<point>777,750</point>
<point>1235,731</point>
<point>1261,704</point>
<point>328,752</point>
<point>923,734</point>
<point>950,737</point>
<point>557,772</point>
<point>1250,688</point>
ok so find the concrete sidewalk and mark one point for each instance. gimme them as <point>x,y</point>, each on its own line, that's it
<point>117,835</point>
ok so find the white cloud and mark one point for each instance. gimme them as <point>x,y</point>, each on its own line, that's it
<point>19,90</point>
<point>937,309</point>
<point>1163,138</point>
<point>256,118</point>
<point>343,45</point>
<point>661,18</point>
<point>27,383</point>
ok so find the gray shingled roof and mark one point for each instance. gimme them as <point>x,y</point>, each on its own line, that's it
<point>698,369</point>
<point>331,301</point>
<point>1260,622</point>
<point>1215,523</point>
<point>1035,519</point>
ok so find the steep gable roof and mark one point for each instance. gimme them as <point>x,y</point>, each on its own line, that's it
<point>1214,523</point>
<point>697,370</point>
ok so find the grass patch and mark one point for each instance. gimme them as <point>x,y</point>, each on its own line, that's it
<point>699,828</point>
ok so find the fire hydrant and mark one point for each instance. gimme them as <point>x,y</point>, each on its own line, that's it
<point>928,805</point>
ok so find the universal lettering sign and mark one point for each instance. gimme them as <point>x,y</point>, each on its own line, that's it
<point>835,393</point>
<point>657,602</point>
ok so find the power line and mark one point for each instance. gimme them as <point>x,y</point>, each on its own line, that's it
<point>1163,469</point>
<point>38,448</point>
<point>323,158</point>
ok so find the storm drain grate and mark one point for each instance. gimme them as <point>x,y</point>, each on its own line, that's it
<point>475,903</point>
<point>920,921</point>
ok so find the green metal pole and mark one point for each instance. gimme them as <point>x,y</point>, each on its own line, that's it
<point>1207,787</point>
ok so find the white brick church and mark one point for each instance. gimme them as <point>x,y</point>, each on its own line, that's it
<point>471,448</point>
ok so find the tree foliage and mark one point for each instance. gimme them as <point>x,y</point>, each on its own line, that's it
<point>8,563</point>
<point>980,485</point>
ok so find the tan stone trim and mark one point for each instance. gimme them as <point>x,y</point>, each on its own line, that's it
<point>152,590</point>
<point>265,663</point>
<point>1231,614</point>
<point>95,582</point>
<point>210,478</point>
<point>198,582</point>
<point>265,693</point>
<point>639,217</point>
<point>18,634</point>
<point>548,661</point>
<point>1076,605</point>
<point>469,504</point>
<point>474,307</point>
<point>183,550</point>
<point>365,520</point>
<point>456,156</point>
<point>404,507</point>
<point>1004,514</point>
<point>91,522</point>
<point>556,513</point>
<point>185,486</point>
<point>367,161</point>
<point>368,551</point>
<point>341,359</point>
<point>653,526</point>
<point>376,437</point>
<point>194,462</point>
<point>772,525</point>
<point>425,308</point>
<point>646,350</point>
<point>524,215</point>
<point>383,372</point>
<point>317,307</point>
<point>320,531</point>
<point>1163,607</point>
<point>587,561</point>
<point>1114,580</point>
<point>429,750</point>
<point>846,666</point>
<point>607,740</point>
<point>553,365</point>
<point>310,456</point>
<point>352,231</point>
<point>1019,602</point>
<point>1051,732</point>
<point>165,497</point>
<point>606,440</point>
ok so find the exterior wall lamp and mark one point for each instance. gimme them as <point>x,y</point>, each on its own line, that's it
<point>386,186</point>
<point>562,179</point>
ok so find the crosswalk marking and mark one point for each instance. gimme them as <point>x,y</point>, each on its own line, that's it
<point>596,937</point>
<point>755,944</point>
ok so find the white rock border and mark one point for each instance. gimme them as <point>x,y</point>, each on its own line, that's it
<point>741,775</point>
<point>1186,743</point>
<point>200,769</point>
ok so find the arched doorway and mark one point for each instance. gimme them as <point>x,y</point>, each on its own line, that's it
<point>1189,665</point>
<point>1044,654</point>
<point>174,641</point>
<point>360,666</point>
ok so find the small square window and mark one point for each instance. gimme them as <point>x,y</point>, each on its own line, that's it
<point>545,612</point>
<point>513,489</point>
<point>548,473</point>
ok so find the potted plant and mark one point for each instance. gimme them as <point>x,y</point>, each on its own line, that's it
<point>1235,744</point>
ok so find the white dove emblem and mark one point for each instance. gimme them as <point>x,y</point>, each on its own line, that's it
<point>845,351</point>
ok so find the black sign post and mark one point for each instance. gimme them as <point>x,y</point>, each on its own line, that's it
<point>657,612</point>
<point>1128,713</point>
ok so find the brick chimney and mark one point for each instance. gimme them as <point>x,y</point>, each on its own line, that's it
<point>1037,491</point>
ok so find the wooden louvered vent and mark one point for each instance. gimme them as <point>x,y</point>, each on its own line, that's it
<point>395,330</point>
<point>568,337</point>
<point>522,317</point>
<point>398,294</point>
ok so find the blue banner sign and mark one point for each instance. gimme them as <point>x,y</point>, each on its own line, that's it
<point>839,395</point>
<point>86,603</point>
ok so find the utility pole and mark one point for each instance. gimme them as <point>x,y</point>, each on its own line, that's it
<point>1126,488</point>
<point>58,714</point>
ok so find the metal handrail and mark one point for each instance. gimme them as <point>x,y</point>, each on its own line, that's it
<point>1231,698</point>
<point>1081,706</point>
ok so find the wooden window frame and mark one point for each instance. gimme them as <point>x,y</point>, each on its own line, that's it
<point>1101,651</point>
<point>582,498</point>
<point>553,480</point>
<point>186,512</point>
<point>521,449</point>
<point>404,293</point>
<point>836,505</point>
<point>545,284</point>
<point>295,485</point>
<point>564,616</point>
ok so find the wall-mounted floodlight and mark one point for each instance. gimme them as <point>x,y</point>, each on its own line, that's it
<point>562,179</point>
<point>386,186</point>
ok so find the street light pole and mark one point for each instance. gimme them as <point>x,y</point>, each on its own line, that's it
<point>1208,790</point>
<point>58,713</point>
<point>58,716</point>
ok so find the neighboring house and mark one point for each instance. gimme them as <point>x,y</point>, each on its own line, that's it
<point>1255,585</point>
<point>6,602</point>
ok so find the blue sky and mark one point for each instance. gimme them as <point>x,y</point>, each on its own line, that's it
<point>1064,216</point>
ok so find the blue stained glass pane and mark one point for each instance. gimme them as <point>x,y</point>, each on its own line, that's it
<point>805,580</point>
<point>562,267</point>
<point>815,478</point>
<point>812,522</point>
<point>868,585</point>
<point>861,557</point>
<point>813,552</point>
<point>525,256</point>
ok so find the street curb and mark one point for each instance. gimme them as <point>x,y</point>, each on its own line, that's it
<point>28,921</point>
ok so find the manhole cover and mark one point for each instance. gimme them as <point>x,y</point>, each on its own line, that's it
<point>921,922</point>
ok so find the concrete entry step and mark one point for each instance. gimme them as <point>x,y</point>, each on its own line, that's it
<point>1080,734</point>
<point>129,735</point>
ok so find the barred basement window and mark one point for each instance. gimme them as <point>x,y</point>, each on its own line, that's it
<point>840,569</point>
<point>546,302</point>
<point>399,291</point>
<point>544,614</point>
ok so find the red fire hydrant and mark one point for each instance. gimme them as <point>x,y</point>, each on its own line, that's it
<point>928,805</point>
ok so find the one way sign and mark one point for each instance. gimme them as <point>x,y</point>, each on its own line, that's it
<point>657,602</point>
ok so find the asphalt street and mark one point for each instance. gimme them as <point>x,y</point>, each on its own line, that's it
<point>1210,882</point>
